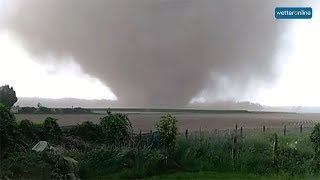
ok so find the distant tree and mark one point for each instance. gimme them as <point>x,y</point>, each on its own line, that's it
<point>45,110</point>
<point>7,96</point>
<point>39,105</point>
<point>76,110</point>
<point>27,110</point>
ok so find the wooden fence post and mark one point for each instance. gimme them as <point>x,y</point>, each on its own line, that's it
<point>234,151</point>
<point>140,139</point>
<point>264,129</point>
<point>232,148</point>
<point>284,130</point>
<point>301,129</point>
<point>236,129</point>
<point>241,132</point>
<point>200,134</point>
<point>275,148</point>
<point>186,134</point>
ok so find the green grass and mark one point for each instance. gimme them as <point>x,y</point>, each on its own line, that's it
<point>205,155</point>
<point>210,153</point>
<point>214,175</point>
<point>229,176</point>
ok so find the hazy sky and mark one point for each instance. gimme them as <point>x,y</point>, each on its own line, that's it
<point>285,74</point>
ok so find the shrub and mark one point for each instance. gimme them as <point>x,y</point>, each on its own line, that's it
<point>167,128</point>
<point>87,131</point>
<point>255,155</point>
<point>121,161</point>
<point>24,165</point>
<point>10,136</point>
<point>293,161</point>
<point>72,142</point>
<point>25,127</point>
<point>315,139</point>
<point>149,162</point>
<point>31,132</point>
<point>116,128</point>
<point>211,153</point>
<point>51,129</point>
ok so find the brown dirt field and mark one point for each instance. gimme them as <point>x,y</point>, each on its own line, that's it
<point>194,121</point>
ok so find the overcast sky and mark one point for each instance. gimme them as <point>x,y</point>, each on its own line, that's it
<point>63,69</point>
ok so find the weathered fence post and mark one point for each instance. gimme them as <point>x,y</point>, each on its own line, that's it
<point>236,129</point>
<point>264,128</point>
<point>301,129</point>
<point>241,132</point>
<point>186,134</point>
<point>284,130</point>
<point>200,134</point>
<point>140,145</point>
<point>234,149</point>
<point>275,148</point>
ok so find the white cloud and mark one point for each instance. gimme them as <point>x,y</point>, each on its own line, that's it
<point>31,79</point>
<point>299,83</point>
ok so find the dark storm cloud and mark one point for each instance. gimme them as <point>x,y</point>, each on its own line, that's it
<point>155,52</point>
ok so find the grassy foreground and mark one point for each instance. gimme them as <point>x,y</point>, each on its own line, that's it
<point>110,150</point>
<point>222,176</point>
<point>204,156</point>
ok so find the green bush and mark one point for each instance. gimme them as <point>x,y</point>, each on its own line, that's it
<point>209,153</point>
<point>255,156</point>
<point>116,128</point>
<point>293,161</point>
<point>51,129</point>
<point>32,132</point>
<point>167,128</point>
<point>315,139</point>
<point>88,131</point>
<point>121,161</point>
<point>24,165</point>
<point>10,136</point>
<point>100,161</point>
